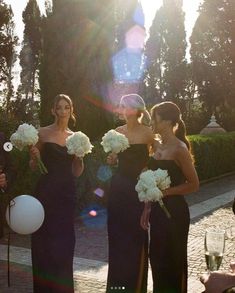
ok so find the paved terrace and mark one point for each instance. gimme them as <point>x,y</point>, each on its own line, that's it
<point>211,206</point>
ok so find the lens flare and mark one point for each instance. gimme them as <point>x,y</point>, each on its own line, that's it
<point>129,65</point>
<point>94,216</point>
<point>99,192</point>
<point>93,213</point>
<point>138,16</point>
<point>135,37</point>
<point>104,173</point>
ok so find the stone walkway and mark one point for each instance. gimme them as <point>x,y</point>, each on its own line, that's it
<point>90,263</point>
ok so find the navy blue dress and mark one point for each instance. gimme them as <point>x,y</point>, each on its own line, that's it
<point>53,244</point>
<point>128,242</point>
<point>168,237</point>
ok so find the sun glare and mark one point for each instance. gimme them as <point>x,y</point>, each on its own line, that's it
<point>149,8</point>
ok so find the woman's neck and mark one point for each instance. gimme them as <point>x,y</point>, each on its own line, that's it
<point>60,125</point>
<point>167,136</point>
<point>132,123</point>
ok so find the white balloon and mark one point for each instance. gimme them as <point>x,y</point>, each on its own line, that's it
<point>26,214</point>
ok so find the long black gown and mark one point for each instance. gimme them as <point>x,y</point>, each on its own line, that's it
<point>53,244</point>
<point>168,237</point>
<point>128,256</point>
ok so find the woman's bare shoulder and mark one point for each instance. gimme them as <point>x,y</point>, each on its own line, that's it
<point>146,129</point>
<point>44,129</point>
<point>148,134</point>
<point>70,132</point>
<point>156,141</point>
<point>182,153</point>
<point>121,129</point>
<point>44,132</point>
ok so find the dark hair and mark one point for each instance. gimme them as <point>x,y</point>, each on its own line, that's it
<point>171,112</point>
<point>60,97</point>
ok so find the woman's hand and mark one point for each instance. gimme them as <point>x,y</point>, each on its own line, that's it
<point>112,159</point>
<point>34,153</point>
<point>3,180</point>
<point>34,156</point>
<point>217,282</point>
<point>144,220</point>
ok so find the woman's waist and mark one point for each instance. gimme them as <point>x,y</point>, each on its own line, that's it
<point>128,175</point>
<point>58,179</point>
<point>130,171</point>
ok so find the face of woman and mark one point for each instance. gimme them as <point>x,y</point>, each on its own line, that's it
<point>157,123</point>
<point>126,112</point>
<point>62,110</point>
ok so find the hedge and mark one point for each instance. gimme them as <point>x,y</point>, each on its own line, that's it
<point>214,155</point>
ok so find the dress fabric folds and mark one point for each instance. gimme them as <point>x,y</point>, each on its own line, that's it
<point>53,244</point>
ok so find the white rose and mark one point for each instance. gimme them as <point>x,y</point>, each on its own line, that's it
<point>114,141</point>
<point>78,144</point>
<point>25,135</point>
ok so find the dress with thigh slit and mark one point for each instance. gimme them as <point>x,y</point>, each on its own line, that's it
<point>128,242</point>
<point>168,237</point>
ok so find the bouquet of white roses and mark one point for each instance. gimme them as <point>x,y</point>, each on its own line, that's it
<point>25,136</point>
<point>78,144</point>
<point>114,141</point>
<point>150,186</point>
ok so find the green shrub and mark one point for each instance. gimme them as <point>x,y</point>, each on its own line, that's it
<point>214,154</point>
<point>25,180</point>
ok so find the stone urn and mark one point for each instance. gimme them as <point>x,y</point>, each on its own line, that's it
<point>212,127</point>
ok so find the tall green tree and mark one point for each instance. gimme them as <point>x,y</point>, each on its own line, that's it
<point>31,49</point>
<point>166,74</point>
<point>8,42</point>
<point>213,53</point>
<point>76,61</point>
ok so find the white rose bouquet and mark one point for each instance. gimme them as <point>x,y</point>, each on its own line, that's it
<point>150,186</point>
<point>78,144</point>
<point>25,136</point>
<point>114,142</point>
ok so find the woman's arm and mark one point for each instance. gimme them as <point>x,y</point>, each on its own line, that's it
<point>184,160</point>
<point>77,166</point>
<point>144,220</point>
<point>35,152</point>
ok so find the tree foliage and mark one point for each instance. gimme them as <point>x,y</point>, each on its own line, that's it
<point>213,53</point>
<point>166,75</point>
<point>31,48</point>
<point>8,42</point>
<point>76,61</point>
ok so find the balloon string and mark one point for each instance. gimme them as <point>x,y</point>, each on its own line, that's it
<point>11,203</point>
<point>8,259</point>
<point>8,244</point>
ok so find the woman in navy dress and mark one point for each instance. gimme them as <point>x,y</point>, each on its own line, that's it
<point>53,244</point>
<point>168,236</point>
<point>128,243</point>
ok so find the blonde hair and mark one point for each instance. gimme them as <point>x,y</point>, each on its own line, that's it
<point>136,102</point>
